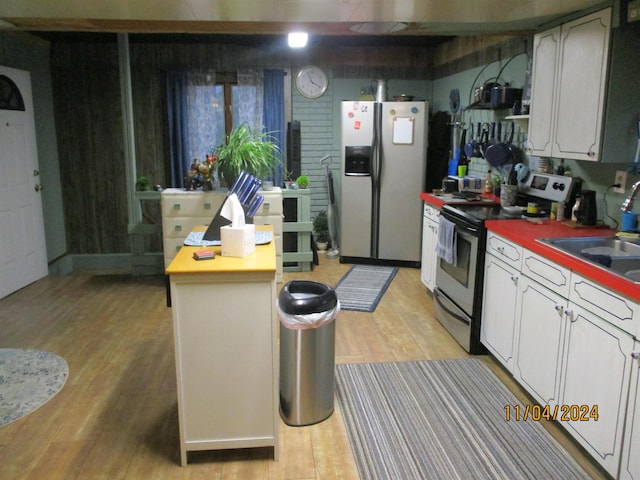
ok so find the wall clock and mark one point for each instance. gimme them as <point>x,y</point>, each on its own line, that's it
<point>311,81</point>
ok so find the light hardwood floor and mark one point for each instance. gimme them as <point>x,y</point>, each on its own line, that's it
<point>116,417</point>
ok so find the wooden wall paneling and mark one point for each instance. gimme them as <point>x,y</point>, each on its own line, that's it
<point>89,123</point>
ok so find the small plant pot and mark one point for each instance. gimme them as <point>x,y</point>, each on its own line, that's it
<point>322,246</point>
<point>267,185</point>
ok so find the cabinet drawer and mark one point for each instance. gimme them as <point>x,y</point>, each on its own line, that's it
<point>505,250</point>
<point>171,246</point>
<point>189,204</point>
<point>431,212</point>
<point>181,226</point>
<point>546,272</point>
<point>272,204</point>
<point>273,220</point>
<point>615,309</point>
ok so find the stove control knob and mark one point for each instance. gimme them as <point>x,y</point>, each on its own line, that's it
<point>558,186</point>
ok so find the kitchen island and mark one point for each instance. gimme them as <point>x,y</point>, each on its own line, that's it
<point>225,340</point>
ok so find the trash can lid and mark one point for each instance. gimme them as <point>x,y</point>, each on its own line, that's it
<point>301,297</point>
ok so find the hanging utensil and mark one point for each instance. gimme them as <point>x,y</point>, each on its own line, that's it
<point>497,154</point>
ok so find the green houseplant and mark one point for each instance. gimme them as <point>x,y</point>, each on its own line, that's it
<point>321,228</point>
<point>302,181</point>
<point>247,149</point>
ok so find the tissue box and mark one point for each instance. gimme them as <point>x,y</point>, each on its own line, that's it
<point>470,184</point>
<point>238,241</point>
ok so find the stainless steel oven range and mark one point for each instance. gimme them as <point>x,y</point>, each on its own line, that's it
<point>459,285</point>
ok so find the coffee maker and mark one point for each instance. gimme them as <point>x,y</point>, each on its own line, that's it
<point>586,212</point>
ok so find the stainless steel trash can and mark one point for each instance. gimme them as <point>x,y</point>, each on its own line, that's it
<point>307,312</point>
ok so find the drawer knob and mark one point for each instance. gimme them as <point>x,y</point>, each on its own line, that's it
<point>176,206</point>
<point>207,206</point>
<point>178,228</point>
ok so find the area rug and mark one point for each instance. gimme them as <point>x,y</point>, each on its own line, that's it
<point>442,419</point>
<point>28,380</point>
<point>362,287</point>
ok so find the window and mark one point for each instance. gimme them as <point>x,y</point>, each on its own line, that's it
<point>203,106</point>
<point>216,104</point>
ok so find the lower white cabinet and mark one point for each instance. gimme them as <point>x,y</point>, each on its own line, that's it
<point>499,309</point>
<point>596,374</point>
<point>630,465</point>
<point>539,338</point>
<point>570,343</point>
<point>429,259</point>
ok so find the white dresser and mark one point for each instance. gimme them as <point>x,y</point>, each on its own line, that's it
<point>183,210</point>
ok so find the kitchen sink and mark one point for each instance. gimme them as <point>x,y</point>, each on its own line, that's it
<point>618,256</point>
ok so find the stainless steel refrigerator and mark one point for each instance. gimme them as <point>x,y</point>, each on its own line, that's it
<point>384,162</point>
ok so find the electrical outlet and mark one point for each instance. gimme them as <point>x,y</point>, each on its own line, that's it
<point>621,178</point>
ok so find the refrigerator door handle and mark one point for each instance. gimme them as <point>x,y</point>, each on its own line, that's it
<point>376,161</point>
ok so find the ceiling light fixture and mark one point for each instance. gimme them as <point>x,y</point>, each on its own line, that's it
<point>298,39</point>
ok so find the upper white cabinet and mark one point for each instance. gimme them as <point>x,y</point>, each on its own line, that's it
<point>568,88</point>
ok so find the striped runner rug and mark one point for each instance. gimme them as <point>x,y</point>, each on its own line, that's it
<point>362,287</point>
<point>442,419</point>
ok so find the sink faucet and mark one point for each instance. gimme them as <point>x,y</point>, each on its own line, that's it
<point>628,203</point>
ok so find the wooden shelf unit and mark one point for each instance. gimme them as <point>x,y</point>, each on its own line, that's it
<point>296,230</point>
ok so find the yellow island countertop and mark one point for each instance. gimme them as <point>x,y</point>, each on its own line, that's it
<point>262,260</point>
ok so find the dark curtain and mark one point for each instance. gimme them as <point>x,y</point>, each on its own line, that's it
<point>273,114</point>
<point>178,126</point>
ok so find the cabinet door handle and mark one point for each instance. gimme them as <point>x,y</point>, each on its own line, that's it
<point>635,355</point>
<point>559,309</point>
<point>569,314</point>
<point>514,279</point>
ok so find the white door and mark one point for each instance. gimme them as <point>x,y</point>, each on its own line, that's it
<point>23,257</point>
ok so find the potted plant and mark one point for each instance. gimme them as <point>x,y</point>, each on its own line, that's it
<point>250,150</point>
<point>321,229</point>
<point>143,184</point>
<point>302,181</point>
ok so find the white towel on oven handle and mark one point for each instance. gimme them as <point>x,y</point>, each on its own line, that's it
<point>446,245</point>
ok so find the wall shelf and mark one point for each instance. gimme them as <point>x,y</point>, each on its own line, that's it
<point>521,120</point>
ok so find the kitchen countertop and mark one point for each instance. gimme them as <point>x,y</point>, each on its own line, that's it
<point>262,260</point>
<point>525,233</point>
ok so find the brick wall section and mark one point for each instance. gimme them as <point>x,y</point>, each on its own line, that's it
<point>316,132</point>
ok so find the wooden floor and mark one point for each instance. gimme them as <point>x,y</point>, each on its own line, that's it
<point>116,418</point>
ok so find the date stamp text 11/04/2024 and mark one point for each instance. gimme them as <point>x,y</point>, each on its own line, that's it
<point>564,413</point>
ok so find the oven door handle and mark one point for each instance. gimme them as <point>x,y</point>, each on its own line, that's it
<point>436,295</point>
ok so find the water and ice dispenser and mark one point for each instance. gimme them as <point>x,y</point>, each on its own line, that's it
<point>357,161</point>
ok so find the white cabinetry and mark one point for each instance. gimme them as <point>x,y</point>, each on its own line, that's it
<point>225,350</point>
<point>568,88</point>
<point>542,304</point>
<point>569,342</point>
<point>597,366</point>
<point>502,269</point>
<point>597,370</point>
<point>183,210</point>
<point>630,466</point>
<point>271,213</point>
<point>539,340</point>
<point>430,220</point>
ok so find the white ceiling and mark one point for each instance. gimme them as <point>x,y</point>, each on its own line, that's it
<point>425,17</point>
